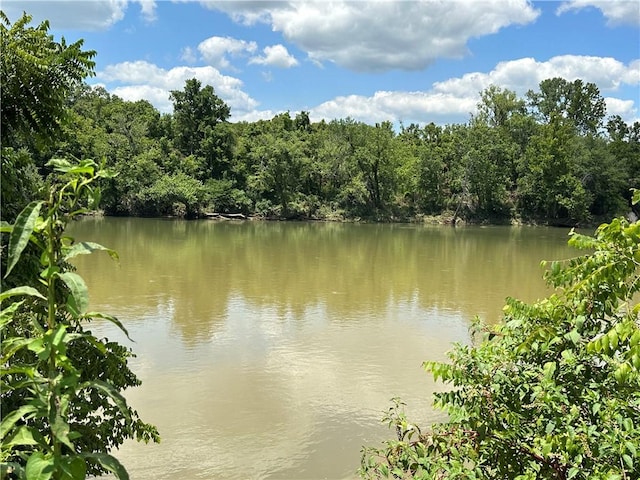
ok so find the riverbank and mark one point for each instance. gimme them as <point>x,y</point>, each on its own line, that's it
<point>445,218</point>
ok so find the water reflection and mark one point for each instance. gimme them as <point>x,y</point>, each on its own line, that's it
<point>269,350</point>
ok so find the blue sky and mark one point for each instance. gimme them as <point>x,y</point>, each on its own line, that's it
<point>403,61</point>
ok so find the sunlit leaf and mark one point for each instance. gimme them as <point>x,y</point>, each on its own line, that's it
<point>7,314</point>
<point>116,396</point>
<point>9,419</point>
<point>85,248</point>
<point>59,164</point>
<point>111,319</point>
<point>29,291</point>
<point>22,230</point>
<point>24,436</point>
<point>79,293</point>
<point>39,467</point>
<point>60,429</point>
<point>109,462</point>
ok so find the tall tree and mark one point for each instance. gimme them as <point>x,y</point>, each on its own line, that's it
<point>624,144</point>
<point>376,158</point>
<point>488,162</point>
<point>497,106</point>
<point>195,109</point>
<point>37,76</point>
<point>577,102</point>
<point>548,187</point>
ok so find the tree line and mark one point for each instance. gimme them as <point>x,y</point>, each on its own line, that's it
<point>553,157</point>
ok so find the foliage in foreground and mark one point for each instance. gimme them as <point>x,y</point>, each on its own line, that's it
<point>551,393</point>
<point>61,387</point>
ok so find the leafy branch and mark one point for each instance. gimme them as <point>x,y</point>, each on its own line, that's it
<point>53,407</point>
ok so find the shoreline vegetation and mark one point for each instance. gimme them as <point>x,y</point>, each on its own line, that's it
<point>444,219</point>
<point>550,157</point>
<point>518,161</point>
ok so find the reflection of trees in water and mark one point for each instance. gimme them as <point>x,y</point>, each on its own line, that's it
<point>353,270</point>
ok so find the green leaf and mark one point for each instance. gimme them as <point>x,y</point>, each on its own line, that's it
<point>550,427</point>
<point>74,468</point>
<point>22,230</point>
<point>109,462</point>
<point>95,195</point>
<point>6,315</point>
<point>573,336</point>
<point>85,248</point>
<point>106,173</point>
<point>59,164</point>
<point>24,436</point>
<point>116,396</point>
<point>60,429</point>
<point>10,419</point>
<point>631,448</point>
<point>79,298</point>
<point>549,369</point>
<point>30,291</point>
<point>111,319</point>
<point>39,467</point>
<point>81,169</point>
<point>12,345</point>
<point>59,336</point>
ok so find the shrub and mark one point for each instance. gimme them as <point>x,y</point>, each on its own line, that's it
<point>553,392</point>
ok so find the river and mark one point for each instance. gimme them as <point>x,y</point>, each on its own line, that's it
<point>270,350</point>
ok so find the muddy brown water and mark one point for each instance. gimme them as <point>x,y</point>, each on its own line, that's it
<point>270,350</point>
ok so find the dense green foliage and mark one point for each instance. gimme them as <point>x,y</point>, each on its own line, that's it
<point>552,156</point>
<point>62,406</point>
<point>38,75</point>
<point>60,386</point>
<point>553,392</point>
<point>534,159</point>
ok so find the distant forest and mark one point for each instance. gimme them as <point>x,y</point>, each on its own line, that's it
<point>552,157</point>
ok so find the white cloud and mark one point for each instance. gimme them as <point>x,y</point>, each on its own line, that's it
<point>143,80</point>
<point>632,75</point>
<point>276,56</point>
<point>527,73</point>
<point>215,50</point>
<point>625,108</point>
<point>188,55</point>
<point>148,8</point>
<point>409,107</point>
<point>452,101</point>
<point>253,115</point>
<point>617,12</point>
<point>381,35</point>
<point>155,95</point>
<point>92,15</point>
